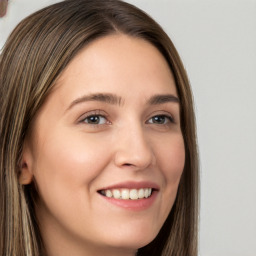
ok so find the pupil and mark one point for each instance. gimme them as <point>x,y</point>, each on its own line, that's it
<point>159,119</point>
<point>94,119</point>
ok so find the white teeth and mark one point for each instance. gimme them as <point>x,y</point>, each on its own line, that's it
<point>127,194</point>
<point>141,193</point>
<point>108,193</point>
<point>134,194</point>
<point>116,193</point>
<point>146,193</point>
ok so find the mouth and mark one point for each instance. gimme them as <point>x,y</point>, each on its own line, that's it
<point>127,194</point>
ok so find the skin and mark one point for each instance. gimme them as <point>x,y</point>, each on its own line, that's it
<point>70,159</point>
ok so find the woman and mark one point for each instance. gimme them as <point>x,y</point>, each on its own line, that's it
<point>98,144</point>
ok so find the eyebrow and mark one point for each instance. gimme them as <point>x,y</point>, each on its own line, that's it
<point>163,98</point>
<point>116,100</point>
<point>102,97</point>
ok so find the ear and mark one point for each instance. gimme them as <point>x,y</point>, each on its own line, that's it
<point>26,174</point>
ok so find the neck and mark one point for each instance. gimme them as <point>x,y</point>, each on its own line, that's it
<point>87,251</point>
<point>61,245</point>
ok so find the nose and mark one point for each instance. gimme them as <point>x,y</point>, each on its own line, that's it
<point>134,149</point>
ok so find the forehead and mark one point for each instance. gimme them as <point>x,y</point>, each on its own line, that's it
<point>117,64</point>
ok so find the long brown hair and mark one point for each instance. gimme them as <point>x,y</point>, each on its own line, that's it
<point>35,54</point>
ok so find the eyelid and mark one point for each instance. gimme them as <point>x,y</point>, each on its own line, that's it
<point>165,116</point>
<point>96,112</point>
<point>162,113</point>
<point>168,120</point>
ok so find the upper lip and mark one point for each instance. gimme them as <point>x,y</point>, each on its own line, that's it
<point>132,185</point>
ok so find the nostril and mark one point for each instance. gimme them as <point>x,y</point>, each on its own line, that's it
<point>128,164</point>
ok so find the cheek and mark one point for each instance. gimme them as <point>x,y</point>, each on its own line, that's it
<point>65,170</point>
<point>170,156</point>
<point>66,159</point>
<point>171,159</point>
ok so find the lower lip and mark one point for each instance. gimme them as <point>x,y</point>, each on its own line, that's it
<point>135,205</point>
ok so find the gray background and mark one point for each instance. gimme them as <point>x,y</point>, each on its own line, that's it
<point>217,42</point>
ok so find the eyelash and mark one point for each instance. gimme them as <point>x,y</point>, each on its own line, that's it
<point>97,117</point>
<point>168,119</point>
<point>94,114</point>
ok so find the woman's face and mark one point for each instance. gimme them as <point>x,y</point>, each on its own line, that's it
<point>106,150</point>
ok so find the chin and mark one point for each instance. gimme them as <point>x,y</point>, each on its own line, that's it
<point>133,240</point>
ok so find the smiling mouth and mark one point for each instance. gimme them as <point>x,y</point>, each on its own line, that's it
<point>127,194</point>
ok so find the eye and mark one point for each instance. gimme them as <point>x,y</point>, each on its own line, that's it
<point>95,119</point>
<point>161,119</point>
